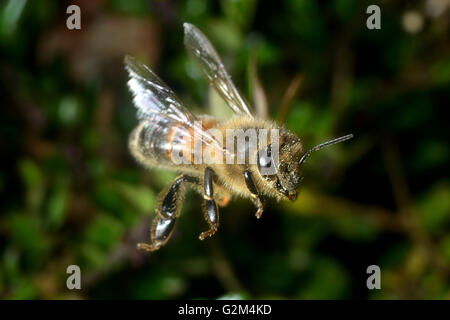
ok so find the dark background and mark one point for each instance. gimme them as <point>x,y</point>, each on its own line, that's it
<point>72,194</point>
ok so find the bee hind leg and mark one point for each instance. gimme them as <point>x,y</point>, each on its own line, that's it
<point>161,231</point>
<point>254,192</point>
<point>211,210</point>
<point>167,212</point>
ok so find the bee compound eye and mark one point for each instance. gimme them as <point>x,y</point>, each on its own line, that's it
<point>264,161</point>
<point>267,165</point>
<point>265,157</point>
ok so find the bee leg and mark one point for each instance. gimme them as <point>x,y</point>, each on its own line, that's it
<point>210,207</point>
<point>161,231</point>
<point>254,192</point>
<point>167,211</point>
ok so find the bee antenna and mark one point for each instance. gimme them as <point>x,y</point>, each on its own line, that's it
<point>325,144</point>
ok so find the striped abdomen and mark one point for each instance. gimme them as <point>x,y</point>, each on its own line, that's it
<point>165,143</point>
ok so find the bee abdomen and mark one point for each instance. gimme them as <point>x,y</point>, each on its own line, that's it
<point>152,143</point>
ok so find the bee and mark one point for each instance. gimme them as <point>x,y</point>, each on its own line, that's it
<point>167,128</point>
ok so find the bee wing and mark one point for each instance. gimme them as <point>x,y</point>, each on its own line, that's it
<point>152,96</point>
<point>157,103</point>
<point>204,54</point>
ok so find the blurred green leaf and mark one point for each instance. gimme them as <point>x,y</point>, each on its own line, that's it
<point>162,178</point>
<point>34,182</point>
<point>196,8</point>
<point>143,198</point>
<point>10,265</point>
<point>68,110</point>
<point>23,290</point>
<point>57,205</point>
<point>267,53</point>
<point>158,285</point>
<point>31,174</point>
<point>239,12</point>
<point>104,232</point>
<point>444,248</point>
<point>111,199</point>
<point>10,14</point>
<point>328,280</point>
<point>92,255</point>
<point>136,7</point>
<point>440,72</point>
<point>26,234</point>
<point>356,228</point>
<point>395,255</point>
<point>226,35</point>
<point>345,9</point>
<point>304,17</point>
<point>434,208</point>
<point>429,154</point>
<point>307,119</point>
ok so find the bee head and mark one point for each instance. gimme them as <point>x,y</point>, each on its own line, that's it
<point>283,169</point>
<point>278,163</point>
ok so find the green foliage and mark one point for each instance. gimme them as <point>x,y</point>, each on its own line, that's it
<point>72,194</point>
<point>328,280</point>
<point>434,209</point>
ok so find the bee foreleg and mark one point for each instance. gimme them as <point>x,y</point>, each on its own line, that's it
<point>254,192</point>
<point>167,211</point>
<point>210,207</point>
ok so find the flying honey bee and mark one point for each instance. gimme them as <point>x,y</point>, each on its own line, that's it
<point>168,128</point>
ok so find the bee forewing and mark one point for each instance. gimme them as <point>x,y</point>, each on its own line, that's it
<point>204,54</point>
<point>159,106</point>
<point>152,96</point>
